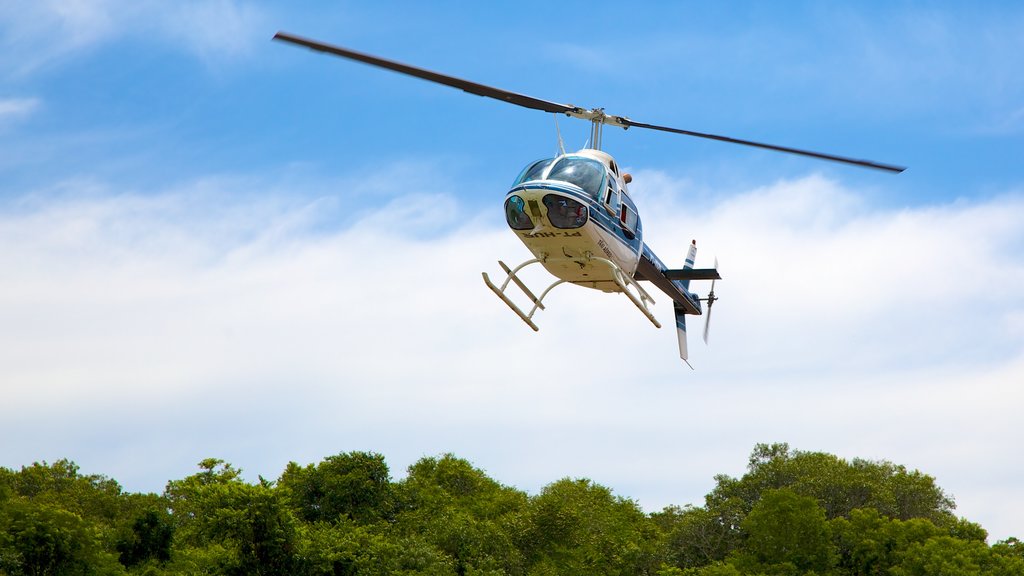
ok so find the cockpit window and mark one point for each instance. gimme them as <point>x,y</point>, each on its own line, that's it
<point>565,212</point>
<point>515,214</point>
<point>534,171</point>
<point>583,172</point>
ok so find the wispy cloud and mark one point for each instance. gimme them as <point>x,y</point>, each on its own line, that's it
<point>956,63</point>
<point>214,30</point>
<point>42,33</point>
<point>17,108</point>
<point>1004,124</point>
<point>259,336</point>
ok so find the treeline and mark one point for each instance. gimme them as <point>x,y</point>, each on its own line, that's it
<point>792,513</point>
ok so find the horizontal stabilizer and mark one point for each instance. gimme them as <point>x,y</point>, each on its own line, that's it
<point>693,274</point>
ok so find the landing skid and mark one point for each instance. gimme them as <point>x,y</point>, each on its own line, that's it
<point>636,294</point>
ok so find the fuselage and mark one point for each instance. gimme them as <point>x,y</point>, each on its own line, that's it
<point>573,208</point>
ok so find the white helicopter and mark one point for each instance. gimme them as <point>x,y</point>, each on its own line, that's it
<point>574,212</point>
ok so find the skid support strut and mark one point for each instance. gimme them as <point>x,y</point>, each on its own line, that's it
<point>636,294</point>
<point>641,299</point>
<point>512,277</point>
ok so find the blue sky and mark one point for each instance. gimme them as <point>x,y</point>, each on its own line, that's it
<point>214,244</point>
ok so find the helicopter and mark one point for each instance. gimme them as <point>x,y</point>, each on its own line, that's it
<point>575,214</point>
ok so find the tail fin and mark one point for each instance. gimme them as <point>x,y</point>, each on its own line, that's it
<point>681,334</point>
<point>691,257</point>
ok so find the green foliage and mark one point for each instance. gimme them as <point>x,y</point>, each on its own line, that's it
<point>868,543</point>
<point>356,486</point>
<point>966,530</point>
<point>699,536</point>
<point>949,556</point>
<point>61,484</point>
<point>7,479</point>
<point>785,530</point>
<point>714,569</point>
<point>345,548</point>
<point>578,527</point>
<point>793,513</point>
<point>251,523</point>
<point>148,540</point>
<point>720,530</point>
<point>838,485</point>
<point>41,539</point>
<point>1010,547</point>
<point>462,512</point>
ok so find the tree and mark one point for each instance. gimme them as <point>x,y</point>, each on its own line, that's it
<point>948,556</point>
<point>39,539</point>
<point>1010,547</point>
<point>93,496</point>
<point>577,527</point>
<point>468,516</point>
<point>870,544</point>
<point>149,539</point>
<point>696,536</point>
<point>838,485</point>
<point>792,513</point>
<point>785,529</point>
<point>249,528</point>
<point>356,485</point>
<point>348,549</point>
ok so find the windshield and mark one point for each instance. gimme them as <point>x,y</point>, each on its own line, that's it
<point>534,171</point>
<point>583,172</point>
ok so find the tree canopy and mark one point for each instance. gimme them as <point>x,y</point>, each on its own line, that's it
<point>792,513</point>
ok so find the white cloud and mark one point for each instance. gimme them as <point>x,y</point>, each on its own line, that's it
<point>215,29</point>
<point>17,108</point>
<point>815,257</point>
<point>43,32</point>
<point>173,325</point>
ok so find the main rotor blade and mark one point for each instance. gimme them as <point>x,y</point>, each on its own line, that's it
<point>820,155</point>
<point>465,85</point>
<point>595,115</point>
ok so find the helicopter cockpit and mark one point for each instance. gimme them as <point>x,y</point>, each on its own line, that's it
<point>562,210</point>
<point>586,173</point>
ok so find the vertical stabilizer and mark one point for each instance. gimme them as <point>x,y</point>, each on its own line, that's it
<point>681,334</point>
<point>691,257</point>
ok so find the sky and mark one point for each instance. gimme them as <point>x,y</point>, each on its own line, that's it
<point>217,245</point>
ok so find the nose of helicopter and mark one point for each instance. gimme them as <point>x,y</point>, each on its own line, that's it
<point>528,207</point>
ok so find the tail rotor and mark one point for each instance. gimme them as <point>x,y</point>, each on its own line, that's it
<point>710,300</point>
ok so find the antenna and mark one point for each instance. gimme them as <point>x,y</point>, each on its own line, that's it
<point>561,144</point>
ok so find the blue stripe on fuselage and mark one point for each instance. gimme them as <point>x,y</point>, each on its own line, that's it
<point>598,215</point>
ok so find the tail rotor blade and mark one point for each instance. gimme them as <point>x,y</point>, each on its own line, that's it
<point>711,302</point>
<point>707,323</point>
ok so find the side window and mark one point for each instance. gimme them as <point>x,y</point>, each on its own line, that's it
<point>611,197</point>
<point>628,218</point>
